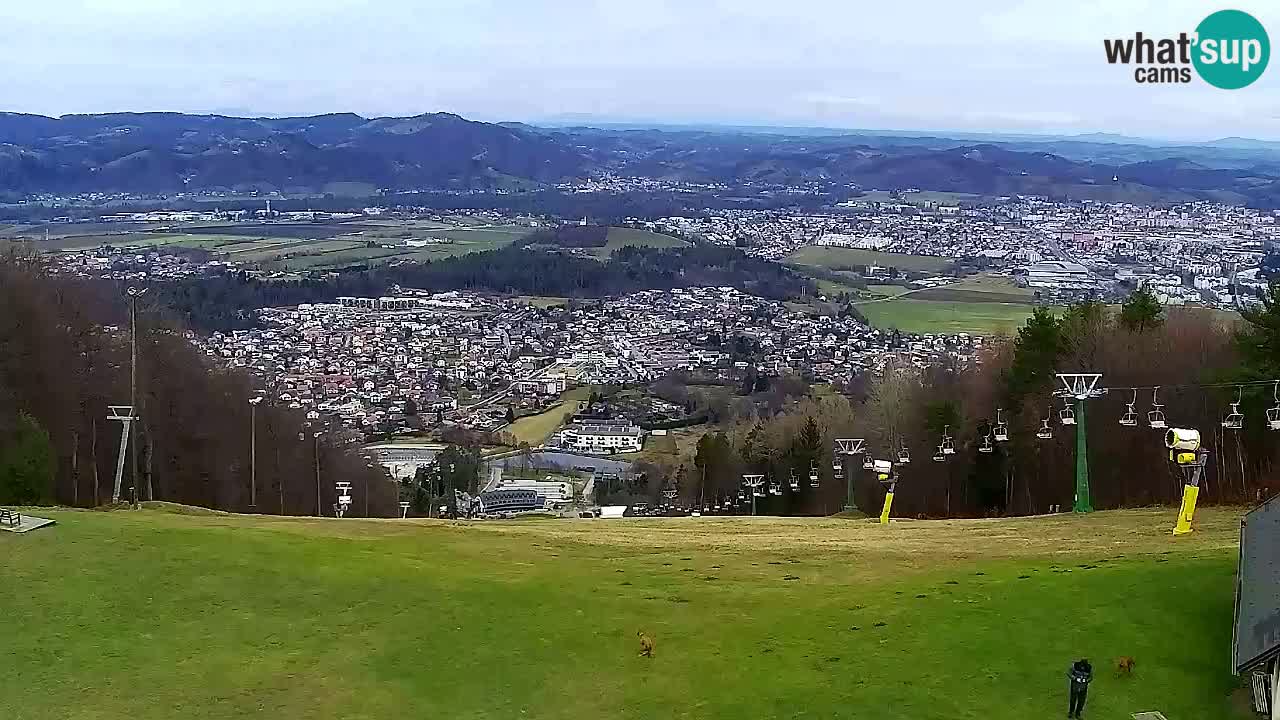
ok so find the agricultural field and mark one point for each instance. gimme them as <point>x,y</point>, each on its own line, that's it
<point>842,258</point>
<point>934,316</point>
<point>175,612</point>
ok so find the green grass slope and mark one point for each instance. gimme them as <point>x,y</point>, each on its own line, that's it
<point>154,614</point>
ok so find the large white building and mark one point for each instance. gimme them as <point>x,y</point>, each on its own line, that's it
<point>1061,275</point>
<point>602,436</point>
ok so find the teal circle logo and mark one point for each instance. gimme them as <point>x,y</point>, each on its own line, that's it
<point>1232,49</point>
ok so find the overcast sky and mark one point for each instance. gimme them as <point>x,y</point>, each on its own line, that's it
<point>1033,66</point>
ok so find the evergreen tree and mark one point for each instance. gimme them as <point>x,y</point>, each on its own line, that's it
<point>26,464</point>
<point>1258,338</point>
<point>1035,354</point>
<point>1141,311</point>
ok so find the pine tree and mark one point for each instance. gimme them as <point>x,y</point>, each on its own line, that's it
<point>1258,338</point>
<point>1035,353</point>
<point>26,464</point>
<point>1141,311</point>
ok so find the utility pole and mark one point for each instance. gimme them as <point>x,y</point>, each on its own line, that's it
<point>253,450</point>
<point>134,293</point>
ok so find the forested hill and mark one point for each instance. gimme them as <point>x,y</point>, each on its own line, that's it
<point>64,360</point>
<point>345,154</point>
<point>230,301</point>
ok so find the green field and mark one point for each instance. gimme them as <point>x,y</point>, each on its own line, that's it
<point>535,429</point>
<point>619,237</point>
<point>932,316</point>
<point>979,288</point>
<point>153,615</point>
<point>842,258</point>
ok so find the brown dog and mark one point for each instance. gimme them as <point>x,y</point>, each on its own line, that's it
<point>646,644</point>
<point>1125,665</point>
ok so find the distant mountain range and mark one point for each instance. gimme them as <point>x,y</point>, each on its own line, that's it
<point>168,153</point>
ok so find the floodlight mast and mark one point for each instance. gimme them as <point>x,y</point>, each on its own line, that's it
<point>1081,387</point>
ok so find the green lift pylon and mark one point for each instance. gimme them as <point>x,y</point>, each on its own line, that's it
<point>1081,387</point>
<point>1083,504</point>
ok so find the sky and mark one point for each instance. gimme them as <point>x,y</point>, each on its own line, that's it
<point>925,65</point>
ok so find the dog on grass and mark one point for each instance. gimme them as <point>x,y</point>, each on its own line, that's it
<point>646,644</point>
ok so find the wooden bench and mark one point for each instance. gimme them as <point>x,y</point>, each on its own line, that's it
<point>10,518</point>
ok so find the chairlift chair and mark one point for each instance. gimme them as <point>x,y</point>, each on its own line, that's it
<point>904,456</point>
<point>1067,415</point>
<point>986,446</point>
<point>775,487</point>
<point>948,446</point>
<point>813,472</point>
<point>1273,414</point>
<point>1130,418</point>
<point>794,483</point>
<point>868,464</point>
<point>940,456</point>
<point>1001,431</point>
<point>1045,432</point>
<point>1235,419</point>
<point>1155,418</point>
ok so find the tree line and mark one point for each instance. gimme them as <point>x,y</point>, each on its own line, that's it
<point>1012,381</point>
<point>65,357</point>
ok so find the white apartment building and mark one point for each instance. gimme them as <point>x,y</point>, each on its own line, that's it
<point>602,436</point>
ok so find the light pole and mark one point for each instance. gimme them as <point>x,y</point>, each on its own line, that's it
<point>253,450</point>
<point>451,501</point>
<point>316,436</point>
<point>134,293</point>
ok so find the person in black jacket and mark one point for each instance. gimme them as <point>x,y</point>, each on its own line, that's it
<point>1079,675</point>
